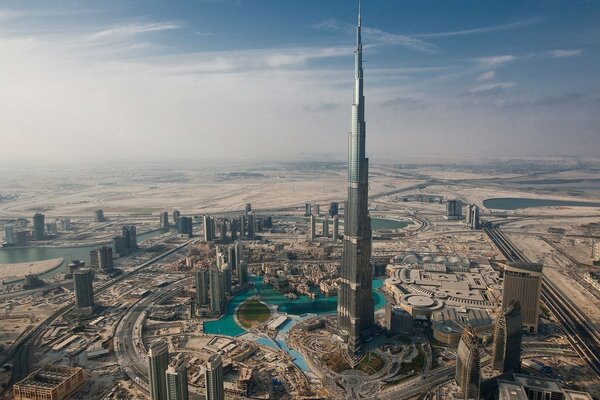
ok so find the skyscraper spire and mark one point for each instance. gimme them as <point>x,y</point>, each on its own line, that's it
<point>355,301</point>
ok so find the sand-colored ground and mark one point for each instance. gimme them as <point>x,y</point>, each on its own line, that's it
<point>19,270</point>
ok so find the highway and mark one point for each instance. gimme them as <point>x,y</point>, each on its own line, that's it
<point>20,353</point>
<point>584,338</point>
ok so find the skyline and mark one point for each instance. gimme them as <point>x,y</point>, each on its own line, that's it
<point>209,78</point>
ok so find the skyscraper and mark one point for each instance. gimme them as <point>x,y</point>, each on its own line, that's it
<point>176,379</point>
<point>99,215</point>
<point>208,232</point>
<point>355,300</point>
<point>164,219</point>
<point>242,272</point>
<point>468,368</point>
<point>214,378</point>
<point>336,228</point>
<point>130,235</point>
<point>185,226</point>
<point>105,258</point>
<point>325,226</point>
<point>333,209</point>
<point>202,286</point>
<point>158,361</point>
<point>216,290</point>
<point>523,282</point>
<point>39,232</point>
<point>83,288</point>
<point>251,224</point>
<point>9,234</point>
<point>226,275</point>
<point>507,339</point>
<point>313,227</point>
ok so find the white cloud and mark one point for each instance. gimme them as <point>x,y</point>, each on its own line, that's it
<point>561,53</point>
<point>486,76</point>
<point>489,87</point>
<point>496,61</point>
<point>132,29</point>
<point>486,29</point>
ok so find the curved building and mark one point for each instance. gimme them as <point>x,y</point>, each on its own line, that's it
<point>468,368</point>
<point>507,339</point>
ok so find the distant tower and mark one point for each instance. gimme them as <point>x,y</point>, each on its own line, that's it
<point>185,226</point>
<point>307,209</point>
<point>469,214</point>
<point>468,368</point>
<point>208,233</point>
<point>313,227</point>
<point>164,219</point>
<point>130,235</point>
<point>231,256</point>
<point>99,215</point>
<point>248,208</point>
<point>333,209</point>
<point>202,287</point>
<point>242,272</point>
<point>325,226</point>
<point>39,232</point>
<point>233,226</point>
<point>251,224</point>
<point>507,339</point>
<point>158,361</point>
<point>176,215</point>
<point>523,283</point>
<point>226,273</point>
<point>336,228</point>
<point>453,209</point>
<point>216,290</point>
<point>243,223</point>
<point>176,379</point>
<point>9,234</point>
<point>356,309</point>
<point>214,378</point>
<point>84,290</point>
<point>223,230</point>
<point>474,217</point>
<point>105,258</point>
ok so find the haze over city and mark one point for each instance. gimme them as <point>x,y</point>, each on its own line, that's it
<point>299,200</point>
<point>246,79</point>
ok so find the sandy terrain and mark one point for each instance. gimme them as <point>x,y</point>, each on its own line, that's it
<point>19,270</point>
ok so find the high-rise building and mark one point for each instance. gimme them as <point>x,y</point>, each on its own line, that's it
<point>507,339</point>
<point>164,219</point>
<point>312,231</point>
<point>99,215</point>
<point>226,272</point>
<point>336,228</point>
<point>233,226</point>
<point>185,226</point>
<point>176,215</point>
<point>72,267</point>
<point>469,214</point>
<point>333,209</point>
<point>223,230</point>
<point>202,287</point>
<point>176,379</point>
<point>239,252</point>
<point>356,308</point>
<point>397,320</point>
<point>468,367</point>
<point>214,378</point>
<point>216,290</point>
<point>326,227</point>
<point>9,234</point>
<point>105,258</point>
<point>231,256</point>
<point>208,231</point>
<point>120,246</point>
<point>248,208</point>
<point>251,224</point>
<point>307,209</point>
<point>84,289</point>
<point>511,391</point>
<point>130,235</point>
<point>94,262</point>
<point>242,272</point>
<point>473,217</point>
<point>39,232</point>
<point>523,283</point>
<point>453,209</point>
<point>158,362</point>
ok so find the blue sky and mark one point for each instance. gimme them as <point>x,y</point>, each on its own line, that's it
<point>273,78</point>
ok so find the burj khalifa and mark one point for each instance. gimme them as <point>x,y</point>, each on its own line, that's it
<point>355,299</point>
